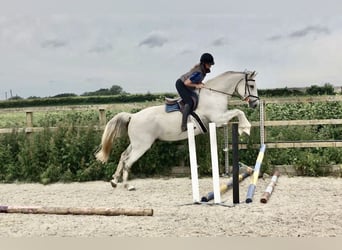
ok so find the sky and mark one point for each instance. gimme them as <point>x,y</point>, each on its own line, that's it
<point>50,47</point>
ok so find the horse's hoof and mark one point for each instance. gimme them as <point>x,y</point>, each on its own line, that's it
<point>113,183</point>
<point>129,187</point>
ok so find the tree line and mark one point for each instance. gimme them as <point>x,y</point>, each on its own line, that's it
<point>326,89</point>
<point>116,94</point>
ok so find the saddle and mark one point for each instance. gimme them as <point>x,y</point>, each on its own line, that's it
<point>177,104</point>
<point>174,104</point>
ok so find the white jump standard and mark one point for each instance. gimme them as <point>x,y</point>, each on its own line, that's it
<point>193,163</point>
<point>194,166</point>
<point>214,163</point>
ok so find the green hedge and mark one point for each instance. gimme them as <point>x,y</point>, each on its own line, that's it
<point>68,153</point>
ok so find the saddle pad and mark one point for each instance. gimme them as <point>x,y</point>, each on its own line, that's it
<point>172,107</point>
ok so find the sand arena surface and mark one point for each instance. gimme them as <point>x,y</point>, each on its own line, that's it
<point>298,207</point>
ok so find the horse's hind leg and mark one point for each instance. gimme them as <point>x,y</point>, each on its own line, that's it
<point>132,157</point>
<point>116,176</point>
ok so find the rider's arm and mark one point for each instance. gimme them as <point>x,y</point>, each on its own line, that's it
<point>194,81</point>
<point>189,83</point>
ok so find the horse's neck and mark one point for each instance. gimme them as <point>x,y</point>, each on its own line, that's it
<point>213,103</point>
<point>225,82</point>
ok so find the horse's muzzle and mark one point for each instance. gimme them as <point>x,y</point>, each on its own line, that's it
<point>253,102</point>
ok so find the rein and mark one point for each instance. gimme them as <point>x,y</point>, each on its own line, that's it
<point>221,92</point>
<point>232,94</point>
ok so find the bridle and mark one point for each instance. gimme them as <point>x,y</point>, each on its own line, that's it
<point>247,94</point>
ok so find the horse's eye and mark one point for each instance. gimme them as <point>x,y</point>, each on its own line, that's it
<point>251,86</point>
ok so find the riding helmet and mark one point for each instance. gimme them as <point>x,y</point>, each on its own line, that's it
<point>207,58</point>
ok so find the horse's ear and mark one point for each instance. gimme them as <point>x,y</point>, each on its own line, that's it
<point>254,73</point>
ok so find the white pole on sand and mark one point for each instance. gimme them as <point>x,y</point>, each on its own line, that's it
<point>214,163</point>
<point>193,163</point>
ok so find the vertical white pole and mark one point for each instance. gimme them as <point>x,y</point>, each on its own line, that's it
<point>226,149</point>
<point>214,163</point>
<point>193,162</point>
<point>262,123</point>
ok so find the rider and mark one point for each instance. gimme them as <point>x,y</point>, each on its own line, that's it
<point>187,84</point>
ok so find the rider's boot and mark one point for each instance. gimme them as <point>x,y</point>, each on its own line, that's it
<point>186,112</point>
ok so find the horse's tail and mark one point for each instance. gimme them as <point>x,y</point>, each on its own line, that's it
<point>115,128</point>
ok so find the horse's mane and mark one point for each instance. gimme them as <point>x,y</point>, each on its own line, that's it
<point>224,74</point>
<point>230,72</point>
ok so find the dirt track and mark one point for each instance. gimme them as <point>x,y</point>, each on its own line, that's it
<point>299,207</point>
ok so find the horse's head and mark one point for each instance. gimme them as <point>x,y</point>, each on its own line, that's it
<point>247,89</point>
<point>233,83</point>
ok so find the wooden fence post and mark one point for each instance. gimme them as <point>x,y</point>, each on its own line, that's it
<point>102,116</point>
<point>29,121</point>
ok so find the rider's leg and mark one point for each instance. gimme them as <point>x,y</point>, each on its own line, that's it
<point>185,94</point>
<point>186,112</point>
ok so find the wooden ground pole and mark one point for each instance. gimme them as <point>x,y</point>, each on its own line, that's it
<point>77,210</point>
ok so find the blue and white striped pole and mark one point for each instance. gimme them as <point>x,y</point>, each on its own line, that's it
<point>252,186</point>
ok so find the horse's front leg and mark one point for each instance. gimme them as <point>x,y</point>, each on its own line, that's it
<point>244,124</point>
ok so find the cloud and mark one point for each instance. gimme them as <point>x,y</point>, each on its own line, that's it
<point>309,30</point>
<point>186,51</point>
<point>221,41</point>
<point>102,48</point>
<point>275,38</point>
<point>53,43</point>
<point>154,40</point>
